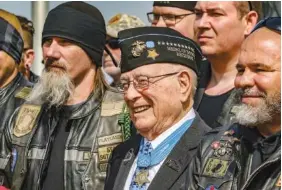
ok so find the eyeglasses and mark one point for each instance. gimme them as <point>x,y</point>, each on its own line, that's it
<point>113,43</point>
<point>169,19</point>
<point>273,23</point>
<point>141,83</point>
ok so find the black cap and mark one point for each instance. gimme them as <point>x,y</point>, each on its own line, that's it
<point>187,5</point>
<point>150,45</point>
<point>81,23</point>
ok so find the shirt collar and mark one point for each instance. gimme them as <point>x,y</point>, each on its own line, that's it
<point>190,115</point>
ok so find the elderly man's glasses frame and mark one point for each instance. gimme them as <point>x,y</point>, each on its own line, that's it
<point>141,82</point>
<point>169,19</point>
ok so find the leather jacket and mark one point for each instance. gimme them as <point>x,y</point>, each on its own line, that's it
<point>224,161</point>
<point>96,126</point>
<point>12,96</point>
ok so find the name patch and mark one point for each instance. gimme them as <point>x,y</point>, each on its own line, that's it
<point>111,139</point>
<point>104,153</point>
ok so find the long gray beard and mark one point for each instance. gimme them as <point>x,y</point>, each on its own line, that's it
<point>52,88</point>
<point>250,116</point>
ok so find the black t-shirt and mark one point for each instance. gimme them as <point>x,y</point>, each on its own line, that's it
<point>54,179</point>
<point>211,107</point>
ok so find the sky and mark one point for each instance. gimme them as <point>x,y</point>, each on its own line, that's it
<point>108,8</point>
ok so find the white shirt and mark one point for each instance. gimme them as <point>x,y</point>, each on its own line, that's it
<point>153,170</point>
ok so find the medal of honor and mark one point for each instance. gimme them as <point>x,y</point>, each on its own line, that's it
<point>142,177</point>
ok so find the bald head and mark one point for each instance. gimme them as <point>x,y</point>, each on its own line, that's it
<point>263,44</point>
<point>259,78</point>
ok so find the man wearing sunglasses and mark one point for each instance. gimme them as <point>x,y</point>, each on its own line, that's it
<point>159,76</point>
<point>111,59</point>
<point>178,15</point>
<point>247,154</point>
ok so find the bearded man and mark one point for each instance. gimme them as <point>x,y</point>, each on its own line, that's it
<point>62,137</point>
<point>248,154</point>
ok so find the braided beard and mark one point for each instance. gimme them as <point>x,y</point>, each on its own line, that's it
<point>53,88</point>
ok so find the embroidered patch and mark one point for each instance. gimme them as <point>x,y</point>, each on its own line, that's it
<point>23,93</point>
<point>110,139</point>
<point>86,155</point>
<point>112,108</point>
<point>103,167</point>
<point>26,119</point>
<point>104,153</point>
<point>211,187</point>
<point>137,48</point>
<point>278,183</point>
<point>151,50</point>
<point>215,168</point>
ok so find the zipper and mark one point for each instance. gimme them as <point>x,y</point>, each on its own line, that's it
<point>256,171</point>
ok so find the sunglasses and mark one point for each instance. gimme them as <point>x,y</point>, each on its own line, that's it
<point>113,43</point>
<point>273,23</point>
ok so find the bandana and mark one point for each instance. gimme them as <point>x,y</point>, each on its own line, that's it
<point>10,40</point>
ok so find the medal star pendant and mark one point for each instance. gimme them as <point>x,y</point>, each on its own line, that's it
<point>142,177</point>
<point>152,54</point>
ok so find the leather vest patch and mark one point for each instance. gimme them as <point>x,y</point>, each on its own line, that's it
<point>110,139</point>
<point>23,93</point>
<point>26,119</point>
<point>216,168</point>
<point>111,108</point>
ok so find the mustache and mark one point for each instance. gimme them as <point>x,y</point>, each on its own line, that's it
<point>252,92</point>
<point>54,63</point>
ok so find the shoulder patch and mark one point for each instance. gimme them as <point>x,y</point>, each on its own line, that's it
<point>112,108</point>
<point>26,119</point>
<point>23,93</point>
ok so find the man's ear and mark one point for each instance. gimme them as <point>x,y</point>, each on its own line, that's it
<point>185,81</point>
<point>251,20</point>
<point>28,58</point>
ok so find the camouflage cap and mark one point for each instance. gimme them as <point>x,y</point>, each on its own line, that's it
<point>121,22</point>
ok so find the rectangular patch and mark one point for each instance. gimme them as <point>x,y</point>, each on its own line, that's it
<point>26,119</point>
<point>23,93</point>
<point>110,139</point>
<point>103,167</point>
<point>112,108</point>
<point>216,168</point>
<point>86,155</point>
<point>104,153</point>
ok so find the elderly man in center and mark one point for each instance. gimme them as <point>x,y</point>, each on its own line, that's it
<point>158,79</point>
